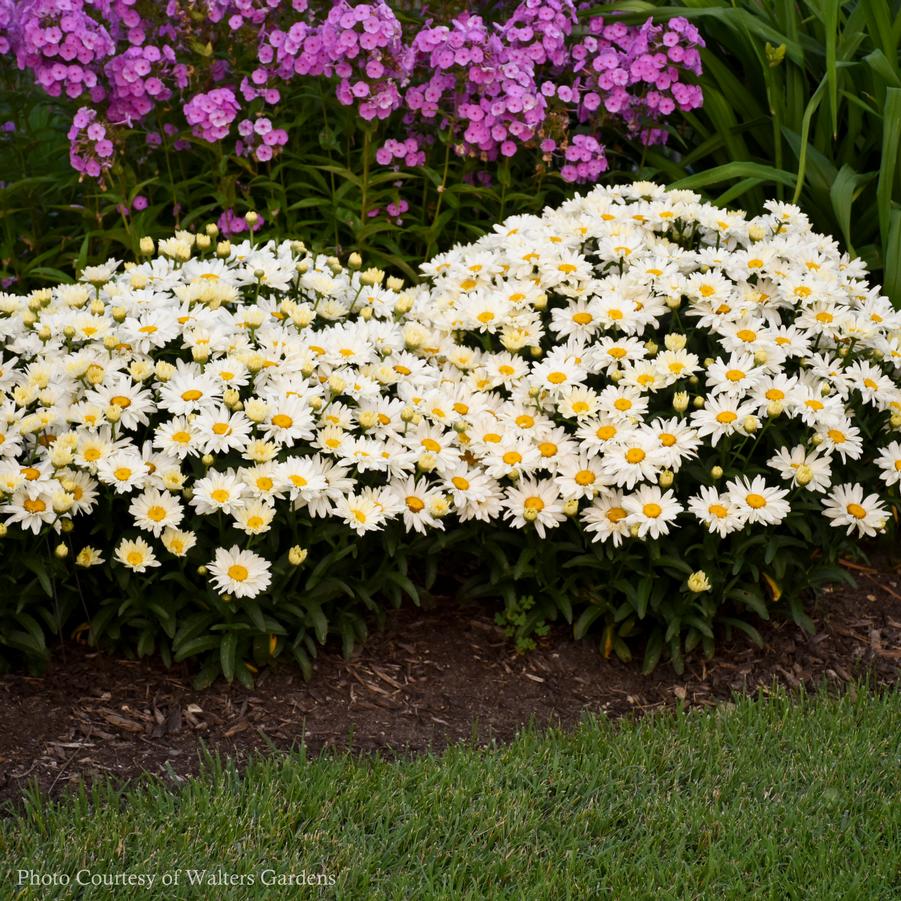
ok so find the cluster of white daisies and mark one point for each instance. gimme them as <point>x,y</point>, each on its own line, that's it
<point>581,365</point>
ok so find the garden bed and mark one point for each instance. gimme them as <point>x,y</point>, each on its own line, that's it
<point>429,679</point>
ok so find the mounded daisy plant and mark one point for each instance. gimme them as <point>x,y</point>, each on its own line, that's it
<point>652,417</point>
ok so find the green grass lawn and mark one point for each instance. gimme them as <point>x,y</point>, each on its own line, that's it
<point>773,798</point>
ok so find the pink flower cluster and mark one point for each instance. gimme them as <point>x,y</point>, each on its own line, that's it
<point>210,115</point>
<point>90,147</point>
<point>492,81</point>
<point>230,223</point>
<point>409,152</point>
<point>259,139</point>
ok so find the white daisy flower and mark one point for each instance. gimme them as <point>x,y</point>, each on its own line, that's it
<point>847,506</point>
<point>243,574</point>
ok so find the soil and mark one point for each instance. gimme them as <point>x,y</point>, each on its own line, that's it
<point>428,679</point>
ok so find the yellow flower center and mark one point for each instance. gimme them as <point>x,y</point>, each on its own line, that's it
<point>635,455</point>
<point>735,375</point>
<point>415,504</point>
<point>491,438</point>
<point>556,378</point>
<point>511,458</point>
<point>616,514</point>
<point>298,481</point>
<point>585,477</point>
<point>156,513</point>
<point>220,495</point>
<point>582,318</point>
<point>120,401</point>
<point>525,421</point>
<point>255,522</point>
<point>606,432</point>
<point>622,404</point>
<point>192,394</point>
<point>485,316</point>
<point>460,482</point>
<point>746,335</point>
<point>726,417</point>
<point>666,439</point>
<point>718,510</point>
<point>547,448</point>
<point>756,500</point>
<point>221,428</point>
<point>856,511</point>
<point>34,506</point>
<point>31,473</point>
<point>182,437</point>
<point>282,421</point>
<point>652,511</point>
<point>123,473</point>
<point>430,444</point>
<point>534,503</point>
<point>134,558</point>
<point>238,572</point>
<point>836,436</point>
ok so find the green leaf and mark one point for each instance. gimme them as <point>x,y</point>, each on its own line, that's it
<point>228,654</point>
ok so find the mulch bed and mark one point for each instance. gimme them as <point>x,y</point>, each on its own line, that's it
<point>429,679</point>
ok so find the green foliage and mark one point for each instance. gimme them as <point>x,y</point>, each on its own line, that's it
<point>802,102</point>
<point>52,223</point>
<point>773,798</point>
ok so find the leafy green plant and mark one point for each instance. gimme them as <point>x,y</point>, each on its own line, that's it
<point>802,103</point>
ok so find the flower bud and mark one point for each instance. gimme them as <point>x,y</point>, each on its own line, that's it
<point>61,551</point>
<point>716,472</point>
<point>372,276</point>
<point>203,242</point>
<point>336,383</point>
<point>529,514</point>
<point>674,302</point>
<point>665,479</point>
<point>816,440</point>
<point>355,261</point>
<point>427,462</point>
<point>698,582</point>
<point>200,354</point>
<point>201,570</point>
<point>394,283</point>
<point>207,459</point>
<point>651,347</point>
<point>680,401</point>
<point>804,474</point>
<point>113,413</point>
<point>223,249</point>
<point>675,341</point>
<point>297,555</point>
<point>571,507</point>
<point>3,530</point>
<point>251,218</point>
<point>750,424</point>
<point>66,525</point>
<point>895,420</point>
<point>775,408</point>
<point>164,371</point>
<point>698,402</point>
<point>146,245</point>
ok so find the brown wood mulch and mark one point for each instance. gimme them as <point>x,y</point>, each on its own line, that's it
<point>430,678</point>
